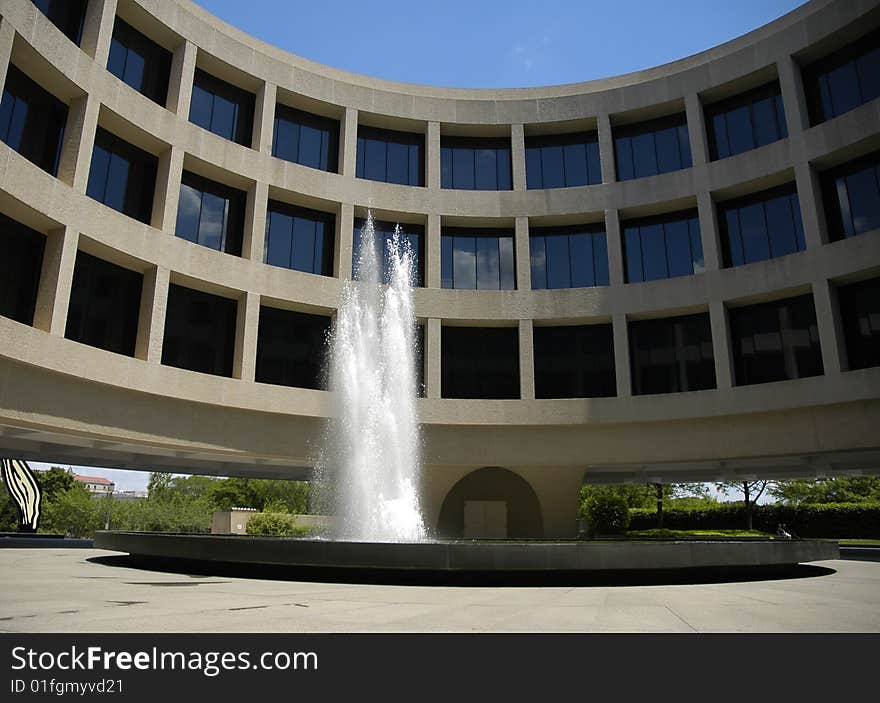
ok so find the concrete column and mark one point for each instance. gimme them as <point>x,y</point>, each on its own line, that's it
<point>432,155</point>
<point>809,192</point>
<point>621,355</point>
<point>710,233</point>
<point>7,36</point>
<point>831,337</point>
<point>606,149</point>
<point>522,258</point>
<point>794,100</point>
<point>518,156</point>
<point>151,322</point>
<point>342,251</point>
<point>721,346</point>
<point>180,83</point>
<point>432,358</point>
<point>56,279</point>
<point>167,193</point>
<point>526,360</point>
<point>615,247</point>
<point>244,363</point>
<point>264,118</point>
<point>348,131</point>
<point>696,129</point>
<point>78,142</point>
<point>433,254</point>
<point>253,241</point>
<point>98,30</point>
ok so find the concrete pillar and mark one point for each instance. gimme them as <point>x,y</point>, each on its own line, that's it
<point>78,142</point>
<point>432,155</point>
<point>98,30</point>
<point>518,156</point>
<point>7,36</point>
<point>621,355</point>
<point>433,254</point>
<point>167,193</point>
<point>606,149</point>
<point>526,360</point>
<point>432,357</point>
<point>264,118</point>
<point>696,122</point>
<point>348,130</point>
<point>254,238</point>
<point>522,258</point>
<point>831,337</point>
<point>56,279</point>
<point>244,363</point>
<point>794,100</point>
<point>721,346</point>
<point>809,192</point>
<point>180,83</point>
<point>615,247</point>
<point>710,233</point>
<point>342,251</point>
<point>151,322</point>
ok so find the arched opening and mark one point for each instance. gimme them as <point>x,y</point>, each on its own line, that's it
<point>491,503</point>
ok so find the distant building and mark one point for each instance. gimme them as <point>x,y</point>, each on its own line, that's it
<point>96,484</point>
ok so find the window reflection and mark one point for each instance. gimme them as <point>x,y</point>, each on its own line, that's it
<point>671,355</point>
<point>468,163</point>
<point>851,195</point>
<point>477,259</point>
<point>662,247</point>
<point>649,148</point>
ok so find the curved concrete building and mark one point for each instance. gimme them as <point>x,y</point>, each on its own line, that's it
<point>670,275</point>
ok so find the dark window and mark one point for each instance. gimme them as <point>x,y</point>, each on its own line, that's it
<point>574,362</point>
<point>21,260</point>
<point>32,120</point>
<point>409,235</point>
<point>222,108</point>
<point>300,239</point>
<point>67,15</point>
<point>122,176</point>
<point>390,156</point>
<point>562,161</point>
<point>139,61</point>
<point>105,302</point>
<point>210,214</point>
<point>479,362</point>
<point>860,314</point>
<point>477,259</point>
<point>291,347</point>
<point>844,80</point>
<point>671,355</point>
<point>568,257</point>
<point>746,121</point>
<point>761,226</point>
<point>851,194</point>
<point>775,341</point>
<point>475,163</point>
<point>199,331</point>
<point>306,139</point>
<point>649,148</point>
<point>662,247</point>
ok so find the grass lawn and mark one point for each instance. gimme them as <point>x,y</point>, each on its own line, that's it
<point>859,542</point>
<point>666,534</point>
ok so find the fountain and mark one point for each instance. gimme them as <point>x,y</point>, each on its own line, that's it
<point>370,460</point>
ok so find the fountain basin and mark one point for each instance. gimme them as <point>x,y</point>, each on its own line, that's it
<point>462,556</point>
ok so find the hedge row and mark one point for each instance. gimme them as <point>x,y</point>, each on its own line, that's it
<point>852,520</point>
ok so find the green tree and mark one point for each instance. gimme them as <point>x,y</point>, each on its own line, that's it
<point>72,512</point>
<point>750,490</point>
<point>857,489</point>
<point>54,482</point>
<point>606,509</point>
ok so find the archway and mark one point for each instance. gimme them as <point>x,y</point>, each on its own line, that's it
<point>497,497</point>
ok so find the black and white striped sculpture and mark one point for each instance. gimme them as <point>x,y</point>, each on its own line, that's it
<point>25,491</point>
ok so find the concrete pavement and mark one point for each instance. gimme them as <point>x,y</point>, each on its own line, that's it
<point>67,590</point>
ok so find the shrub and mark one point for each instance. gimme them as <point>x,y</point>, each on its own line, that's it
<point>606,513</point>
<point>275,525</point>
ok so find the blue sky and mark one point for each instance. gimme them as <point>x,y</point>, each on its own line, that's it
<point>487,44</point>
<point>491,44</point>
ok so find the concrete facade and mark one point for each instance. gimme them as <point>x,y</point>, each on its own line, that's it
<point>64,401</point>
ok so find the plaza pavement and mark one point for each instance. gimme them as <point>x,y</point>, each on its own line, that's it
<point>69,590</point>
